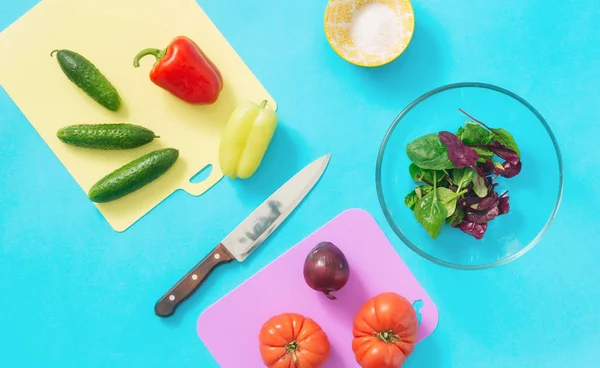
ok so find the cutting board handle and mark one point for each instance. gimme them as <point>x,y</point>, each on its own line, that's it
<point>197,188</point>
<point>185,287</point>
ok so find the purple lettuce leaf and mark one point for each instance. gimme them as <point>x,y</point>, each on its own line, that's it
<point>459,153</point>
<point>487,202</point>
<point>468,201</point>
<point>511,170</point>
<point>483,216</point>
<point>475,230</point>
<point>488,168</point>
<point>503,152</point>
<point>484,210</point>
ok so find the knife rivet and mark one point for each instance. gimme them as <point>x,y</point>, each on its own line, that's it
<point>194,277</point>
<point>171,297</point>
<point>217,256</point>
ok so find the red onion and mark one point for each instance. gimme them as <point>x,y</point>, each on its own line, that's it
<point>326,269</point>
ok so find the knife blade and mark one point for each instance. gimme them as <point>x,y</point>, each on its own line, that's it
<point>248,235</point>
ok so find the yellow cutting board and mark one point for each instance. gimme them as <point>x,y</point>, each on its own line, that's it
<point>110,33</point>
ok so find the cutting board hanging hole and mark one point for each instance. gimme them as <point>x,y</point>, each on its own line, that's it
<point>201,175</point>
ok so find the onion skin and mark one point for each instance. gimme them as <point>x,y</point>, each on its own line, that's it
<point>326,269</point>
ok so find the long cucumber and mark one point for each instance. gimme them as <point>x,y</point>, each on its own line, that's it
<point>115,136</point>
<point>133,175</point>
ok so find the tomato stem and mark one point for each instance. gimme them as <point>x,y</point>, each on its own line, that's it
<point>291,349</point>
<point>387,336</point>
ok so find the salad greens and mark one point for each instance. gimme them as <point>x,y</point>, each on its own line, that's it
<point>456,177</point>
<point>431,212</point>
<point>428,152</point>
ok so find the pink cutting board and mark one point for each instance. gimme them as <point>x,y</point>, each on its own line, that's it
<point>230,326</point>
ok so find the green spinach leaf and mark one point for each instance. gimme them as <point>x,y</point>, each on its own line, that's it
<point>415,172</point>
<point>431,213</point>
<point>419,192</point>
<point>500,134</point>
<point>462,177</point>
<point>457,217</point>
<point>484,154</point>
<point>428,152</point>
<point>474,133</point>
<point>420,175</point>
<point>448,199</point>
<point>411,199</point>
<point>479,186</point>
<point>423,190</point>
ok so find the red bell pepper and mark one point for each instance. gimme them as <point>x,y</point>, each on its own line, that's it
<point>184,70</point>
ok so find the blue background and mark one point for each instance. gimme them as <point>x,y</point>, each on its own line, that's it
<point>74,293</point>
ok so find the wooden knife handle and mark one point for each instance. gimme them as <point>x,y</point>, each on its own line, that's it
<point>185,287</point>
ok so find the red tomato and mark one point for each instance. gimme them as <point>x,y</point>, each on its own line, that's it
<point>291,340</point>
<point>385,331</point>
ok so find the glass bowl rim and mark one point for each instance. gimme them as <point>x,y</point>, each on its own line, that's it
<point>399,232</point>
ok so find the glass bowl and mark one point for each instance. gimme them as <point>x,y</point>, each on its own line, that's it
<point>535,193</point>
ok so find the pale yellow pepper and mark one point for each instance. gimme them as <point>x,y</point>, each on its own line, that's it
<point>246,138</point>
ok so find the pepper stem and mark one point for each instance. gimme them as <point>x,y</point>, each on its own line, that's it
<point>263,104</point>
<point>291,349</point>
<point>157,53</point>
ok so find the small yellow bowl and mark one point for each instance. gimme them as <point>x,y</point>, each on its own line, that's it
<point>338,20</point>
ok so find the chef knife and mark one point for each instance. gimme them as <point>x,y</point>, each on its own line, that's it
<point>247,236</point>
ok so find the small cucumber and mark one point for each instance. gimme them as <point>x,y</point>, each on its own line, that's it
<point>116,136</point>
<point>133,175</point>
<point>86,76</point>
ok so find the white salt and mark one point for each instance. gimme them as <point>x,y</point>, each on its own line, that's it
<point>374,28</point>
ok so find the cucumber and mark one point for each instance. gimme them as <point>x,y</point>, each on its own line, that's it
<point>116,136</point>
<point>133,175</point>
<point>86,76</point>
